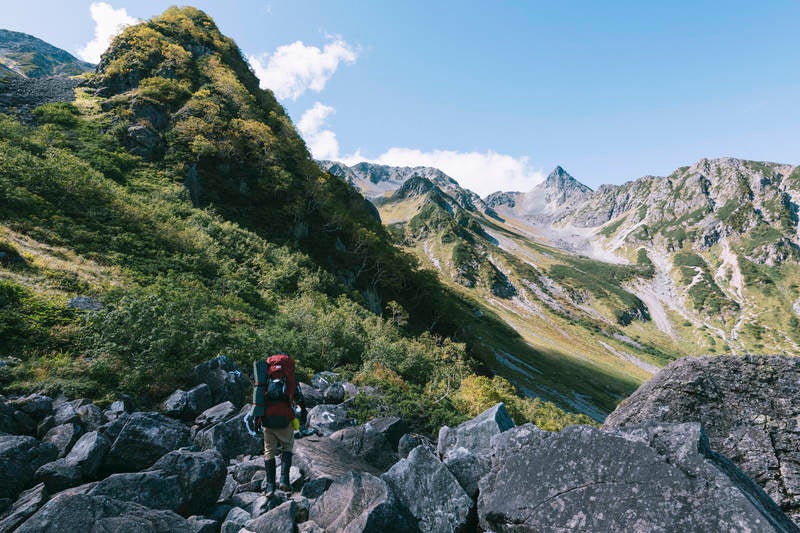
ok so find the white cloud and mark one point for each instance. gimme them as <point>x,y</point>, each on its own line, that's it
<point>321,142</point>
<point>481,172</point>
<point>108,22</point>
<point>296,68</point>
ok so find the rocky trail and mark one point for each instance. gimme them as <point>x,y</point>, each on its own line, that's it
<point>68,465</point>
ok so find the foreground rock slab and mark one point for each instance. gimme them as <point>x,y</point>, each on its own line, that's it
<point>657,477</point>
<point>749,407</point>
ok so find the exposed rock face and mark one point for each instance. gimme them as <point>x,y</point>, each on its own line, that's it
<point>89,453</point>
<point>229,436</point>
<point>429,491</point>
<point>375,441</point>
<point>63,437</point>
<point>476,434</point>
<point>657,477</point>
<point>321,457</point>
<point>27,504</point>
<point>225,379</point>
<point>82,512</point>
<point>359,502</point>
<point>327,418</point>
<point>749,407</point>
<point>277,520</point>
<point>189,404</point>
<point>143,439</point>
<point>20,457</point>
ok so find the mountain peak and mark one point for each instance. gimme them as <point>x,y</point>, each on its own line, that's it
<point>562,181</point>
<point>26,56</point>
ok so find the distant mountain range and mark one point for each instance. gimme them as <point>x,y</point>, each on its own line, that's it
<point>25,56</point>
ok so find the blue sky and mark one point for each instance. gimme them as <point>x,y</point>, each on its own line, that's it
<point>498,93</point>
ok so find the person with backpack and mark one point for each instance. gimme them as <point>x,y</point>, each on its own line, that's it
<point>276,391</point>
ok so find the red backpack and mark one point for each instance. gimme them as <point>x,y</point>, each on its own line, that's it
<point>281,381</point>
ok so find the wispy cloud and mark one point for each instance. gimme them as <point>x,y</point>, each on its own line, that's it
<point>296,68</point>
<point>321,142</point>
<point>108,22</point>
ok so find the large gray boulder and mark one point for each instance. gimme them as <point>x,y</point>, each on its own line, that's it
<point>430,492</point>
<point>83,512</point>
<point>225,380</point>
<point>63,437</point>
<point>367,442</point>
<point>89,453</point>
<point>749,407</point>
<point>20,457</point>
<point>37,406</point>
<point>8,424</point>
<point>215,414</point>
<point>142,440</point>
<point>58,475</point>
<point>321,457</point>
<point>187,405</point>
<point>27,504</point>
<point>278,520</point>
<point>230,437</point>
<point>235,520</point>
<point>328,418</point>
<point>311,395</point>
<point>658,477</point>
<point>359,502</point>
<point>91,416</point>
<point>182,481</point>
<point>475,435</point>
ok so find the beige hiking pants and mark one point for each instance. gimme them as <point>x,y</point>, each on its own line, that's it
<point>278,438</point>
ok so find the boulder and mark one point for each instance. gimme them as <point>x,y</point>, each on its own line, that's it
<point>315,487</point>
<point>20,457</point>
<point>657,477</point>
<point>409,441</point>
<point>48,423</point>
<point>66,413</point>
<point>199,524</point>
<point>749,407</point>
<point>235,520</point>
<point>429,491</point>
<point>475,435</point>
<point>118,408</point>
<point>392,427</point>
<point>327,418</point>
<point>334,394</point>
<point>278,520</point>
<point>225,380</point>
<point>91,416</point>
<point>369,444</point>
<point>182,481</point>
<point>63,437</point>
<point>215,414</point>
<point>37,406</point>
<point>28,503</point>
<point>7,423</point>
<point>322,380</point>
<point>311,395</point>
<point>142,440</point>
<point>25,424</point>
<point>309,527</point>
<point>58,475</point>
<point>230,437</point>
<point>321,457</point>
<point>359,502</point>
<point>89,453</point>
<point>187,405</point>
<point>83,512</point>
<point>467,468</point>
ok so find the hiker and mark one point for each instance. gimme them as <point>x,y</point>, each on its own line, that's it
<point>276,390</point>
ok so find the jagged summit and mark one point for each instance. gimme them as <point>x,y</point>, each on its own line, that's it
<point>26,56</point>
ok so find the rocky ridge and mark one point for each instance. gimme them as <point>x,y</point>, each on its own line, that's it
<point>25,56</point>
<point>484,475</point>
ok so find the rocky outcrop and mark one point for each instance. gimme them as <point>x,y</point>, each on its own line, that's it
<point>749,407</point>
<point>226,432</point>
<point>144,438</point>
<point>27,504</point>
<point>657,477</point>
<point>20,457</point>
<point>225,379</point>
<point>187,405</point>
<point>329,418</point>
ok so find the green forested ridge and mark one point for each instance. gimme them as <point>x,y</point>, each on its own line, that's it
<point>183,199</point>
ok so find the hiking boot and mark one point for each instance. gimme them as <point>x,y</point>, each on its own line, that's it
<point>286,464</point>
<point>268,485</point>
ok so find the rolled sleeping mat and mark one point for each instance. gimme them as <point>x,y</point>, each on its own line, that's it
<point>257,408</point>
<point>260,371</point>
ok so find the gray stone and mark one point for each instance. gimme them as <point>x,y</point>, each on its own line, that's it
<point>63,437</point>
<point>65,413</point>
<point>28,503</point>
<point>235,520</point>
<point>359,502</point>
<point>48,423</point>
<point>7,423</point>
<point>278,520</point>
<point>749,407</point>
<point>143,439</point>
<point>467,468</point>
<point>199,524</point>
<point>37,406</point>
<point>89,453</point>
<point>20,457</point>
<point>91,416</point>
<point>475,435</point>
<point>658,477</point>
<point>392,427</point>
<point>327,418</point>
<point>215,414</point>
<point>366,442</point>
<point>309,527</point>
<point>84,303</point>
<point>444,506</point>
<point>322,380</point>
<point>334,394</point>
<point>187,405</point>
<point>58,475</point>
<point>225,380</point>
<point>83,512</point>
<point>315,487</point>
<point>409,441</point>
<point>182,481</point>
<point>311,395</point>
<point>25,424</point>
<point>230,437</point>
<point>321,457</point>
